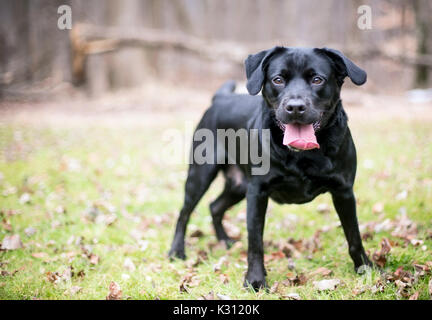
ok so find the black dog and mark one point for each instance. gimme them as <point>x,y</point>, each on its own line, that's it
<point>311,148</point>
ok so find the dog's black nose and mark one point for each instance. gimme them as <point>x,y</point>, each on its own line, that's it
<point>295,106</point>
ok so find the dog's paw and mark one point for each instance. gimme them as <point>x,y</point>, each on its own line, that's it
<point>257,283</point>
<point>176,253</point>
<point>365,267</point>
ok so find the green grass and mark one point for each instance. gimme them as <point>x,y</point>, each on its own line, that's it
<point>118,169</point>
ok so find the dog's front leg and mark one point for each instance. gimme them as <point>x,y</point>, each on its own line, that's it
<point>345,205</point>
<point>257,200</point>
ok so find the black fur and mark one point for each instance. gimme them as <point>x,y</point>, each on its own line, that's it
<point>294,177</point>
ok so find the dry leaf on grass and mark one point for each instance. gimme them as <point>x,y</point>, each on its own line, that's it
<point>197,234</point>
<point>201,257</point>
<point>295,280</point>
<point>94,259</point>
<point>404,280</point>
<point>359,290</point>
<point>274,256</point>
<point>52,276</point>
<point>367,236</point>
<point>115,292</point>
<point>292,296</point>
<point>56,277</point>
<point>223,261</point>
<point>378,287</point>
<point>232,230</point>
<point>5,273</point>
<point>275,287</point>
<point>322,272</point>
<point>11,242</point>
<point>223,297</point>
<point>380,257</point>
<point>209,296</point>
<point>188,281</point>
<point>325,285</point>
<point>290,251</point>
<point>6,225</point>
<point>224,278</point>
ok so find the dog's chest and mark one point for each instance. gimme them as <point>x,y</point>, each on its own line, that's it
<point>299,182</point>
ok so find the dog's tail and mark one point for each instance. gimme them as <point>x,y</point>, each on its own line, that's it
<point>227,88</point>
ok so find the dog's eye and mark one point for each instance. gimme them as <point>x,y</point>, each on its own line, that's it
<point>317,80</point>
<point>278,81</point>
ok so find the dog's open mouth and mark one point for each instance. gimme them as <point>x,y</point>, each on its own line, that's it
<point>299,137</point>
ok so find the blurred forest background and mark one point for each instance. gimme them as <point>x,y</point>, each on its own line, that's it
<point>200,43</point>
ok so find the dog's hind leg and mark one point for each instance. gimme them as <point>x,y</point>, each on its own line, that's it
<point>234,191</point>
<point>199,179</point>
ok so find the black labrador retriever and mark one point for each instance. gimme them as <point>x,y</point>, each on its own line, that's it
<point>311,148</point>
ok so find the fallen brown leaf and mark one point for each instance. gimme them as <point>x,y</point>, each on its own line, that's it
<point>275,287</point>
<point>297,280</point>
<point>6,225</point>
<point>11,242</point>
<point>94,259</point>
<point>189,280</point>
<point>232,230</point>
<point>322,272</point>
<point>115,292</point>
<point>224,278</point>
<point>290,251</point>
<point>201,257</point>
<point>197,234</point>
<point>367,236</point>
<point>380,257</point>
<point>209,296</point>
<point>359,290</point>
<point>378,286</point>
<point>274,256</point>
<point>52,276</point>
<point>292,296</point>
<point>223,261</point>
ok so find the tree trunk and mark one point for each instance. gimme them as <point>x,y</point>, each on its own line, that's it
<point>423,14</point>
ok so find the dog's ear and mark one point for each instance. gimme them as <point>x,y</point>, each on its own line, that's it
<point>345,67</point>
<point>254,65</point>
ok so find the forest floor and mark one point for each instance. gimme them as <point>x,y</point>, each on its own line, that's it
<point>88,206</point>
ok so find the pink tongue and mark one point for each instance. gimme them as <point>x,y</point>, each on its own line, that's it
<point>300,136</point>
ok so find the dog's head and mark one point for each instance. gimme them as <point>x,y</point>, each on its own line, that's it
<point>302,86</point>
